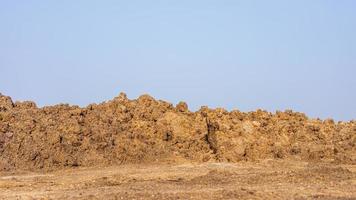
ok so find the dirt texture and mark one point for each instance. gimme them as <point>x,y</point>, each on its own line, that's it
<point>149,132</point>
<point>145,130</point>
<point>270,179</point>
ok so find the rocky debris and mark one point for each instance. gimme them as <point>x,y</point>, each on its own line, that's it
<point>5,137</point>
<point>5,103</point>
<point>25,105</point>
<point>182,107</point>
<point>146,130</point>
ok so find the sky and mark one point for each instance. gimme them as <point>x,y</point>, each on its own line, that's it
<point>245,55</point>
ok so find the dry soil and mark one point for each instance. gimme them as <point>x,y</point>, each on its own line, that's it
<point>147,148</point>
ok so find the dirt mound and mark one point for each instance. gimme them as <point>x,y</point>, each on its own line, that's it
<point>146,130</point>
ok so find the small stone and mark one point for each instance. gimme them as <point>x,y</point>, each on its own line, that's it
<point>182,107</point>
<point>5,103</point>
<point>9,134</point>
<point>122,97</point>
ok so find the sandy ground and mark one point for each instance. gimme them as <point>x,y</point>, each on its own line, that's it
<point>270,179</point>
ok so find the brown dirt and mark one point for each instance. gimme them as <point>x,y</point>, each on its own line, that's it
<point>149,132</point>
<point>270,179</point>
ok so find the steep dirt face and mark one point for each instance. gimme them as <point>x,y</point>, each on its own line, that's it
<point>237,136</point>
<point>145,130</point>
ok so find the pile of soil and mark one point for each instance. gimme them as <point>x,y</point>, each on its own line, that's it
<point>145,130</point>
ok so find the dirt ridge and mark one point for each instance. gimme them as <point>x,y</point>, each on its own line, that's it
<point>146,130</point>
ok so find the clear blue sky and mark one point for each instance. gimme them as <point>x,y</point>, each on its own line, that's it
<point>273,55</point>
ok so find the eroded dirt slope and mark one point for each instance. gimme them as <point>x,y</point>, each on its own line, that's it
<point>145,130</point>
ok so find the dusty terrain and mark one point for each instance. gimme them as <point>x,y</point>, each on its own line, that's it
<point>266,180</point>
<point>147,148</point>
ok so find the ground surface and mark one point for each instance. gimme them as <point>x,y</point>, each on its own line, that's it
<point>268,179</point>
